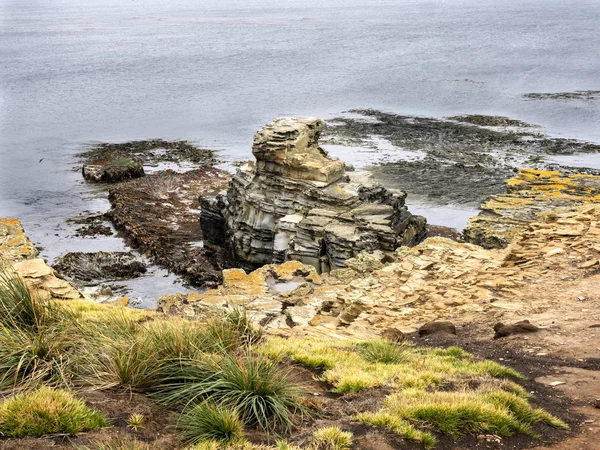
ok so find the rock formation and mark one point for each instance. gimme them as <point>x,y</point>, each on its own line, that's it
<point>112,170</point>
<point>530,195</point>
<point>556,258</point>
<point>18,253</point>
<point>297,203</point>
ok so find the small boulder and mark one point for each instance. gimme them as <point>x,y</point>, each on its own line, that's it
<point>437,327</point>
<point>112,170</point>
<point>393,335</point>
<point>100,266</point>
<point>524,326</point>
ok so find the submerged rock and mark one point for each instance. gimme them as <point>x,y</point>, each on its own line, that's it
<point>100,266</point>
<point>297,203</point>
<point>112,169</point>
<point>531,195</point>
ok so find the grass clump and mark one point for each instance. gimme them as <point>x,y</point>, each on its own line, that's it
<point>46,411</point>
<point>446,390</point>
<point>382,419</point>
<point>494,411</point>
<point>331,438</point>
<point>211,422</point>
<point>253,385</point>
<point>118,443</point>
<point>216,445</point>
<point>385,352</point>
<point>136,421</point>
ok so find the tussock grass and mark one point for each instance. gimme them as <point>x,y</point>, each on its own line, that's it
<point>216,445</point>
<point>118,443</point>
<point>254,385</point>
<point>46,411</point>
<point>130,363</point>
<point>385,352</point>
<point>331,438</point>
<point>211,422</point>
<point>29,359</point>
<point>19,307</point>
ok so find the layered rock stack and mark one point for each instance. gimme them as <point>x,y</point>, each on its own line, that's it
<point>297,203</point>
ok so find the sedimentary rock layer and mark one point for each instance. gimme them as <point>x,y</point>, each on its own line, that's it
<point>530,195</point>
<point>297,203</point>
<point>19,253</point>
<point>438,279</point>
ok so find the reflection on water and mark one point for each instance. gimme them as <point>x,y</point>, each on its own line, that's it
<point>590,161</point>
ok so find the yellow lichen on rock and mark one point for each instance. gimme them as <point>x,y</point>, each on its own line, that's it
<point>14,243</point>
<point>529,195</point>
<point>18,250</point>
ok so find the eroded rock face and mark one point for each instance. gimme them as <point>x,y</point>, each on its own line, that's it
<point>297,203</point>
<point>530,196</point>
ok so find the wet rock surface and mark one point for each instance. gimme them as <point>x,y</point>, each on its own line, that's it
<point>159,215</point>
<point>575,95</point>
<point>100,266</point>
<point>151,152</point>
<point>531,194</point>
<point>112,169</point>
<point>462,162</point>
<point>297,203</point>
<point>92,225</point>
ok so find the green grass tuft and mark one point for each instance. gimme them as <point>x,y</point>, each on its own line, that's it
<point>211,422</point>
<point>331,438</point>
<point>46,411</point>
<point>380,351</point>
<point>255,386</point>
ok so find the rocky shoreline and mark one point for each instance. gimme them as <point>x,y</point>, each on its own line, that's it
<point>521,291</point>
<point>460,160</point>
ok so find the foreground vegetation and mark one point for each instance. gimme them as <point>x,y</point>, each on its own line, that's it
<point>224,379</point>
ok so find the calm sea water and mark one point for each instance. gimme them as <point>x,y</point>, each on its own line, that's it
<point>213,71</point>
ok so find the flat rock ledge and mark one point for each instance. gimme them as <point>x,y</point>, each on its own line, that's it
<point>439,279</point>
<point>297,203</point>
<point>530,195</point>
<point>555,257</point>
<point>19,252</point>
